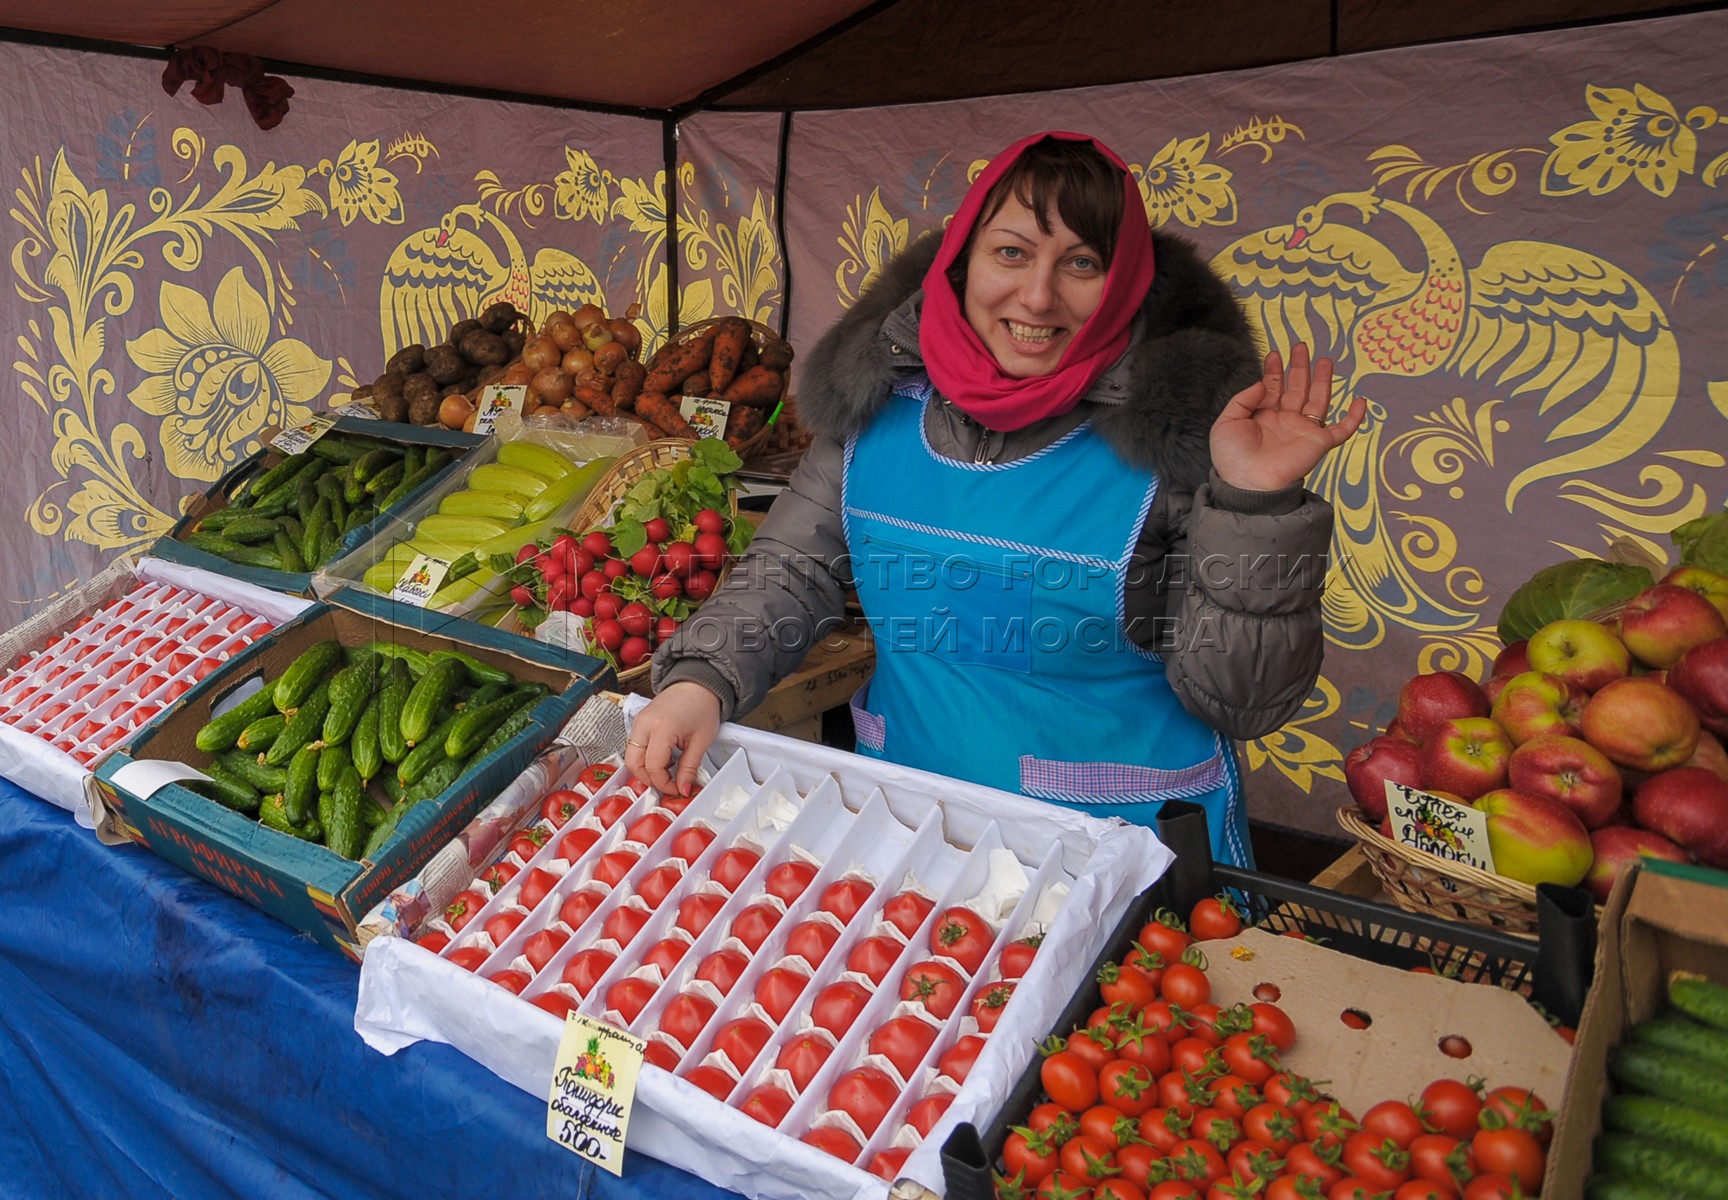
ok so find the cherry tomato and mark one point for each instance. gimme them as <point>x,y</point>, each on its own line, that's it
<point>1272,1023</point>
<point>767,1104</point>
<point>1135,1159</point>
<point>1087,1157</point>
<point>733,865</point>
<point>1070,1080</point>
<point>1376,1160</point>
<point>803,1056</point>
<point>835,1141</point>
<point>866,1094</point>
<point>542,945</point>
<point>837,1006</point>
<point>778,989</point>
<point>1164,939</point>
<point>788,880</point>
<point>1521,1109</point>
<point>585,968</point>
<point>1017,956</point>
<point>684,1019</point>
<point>666,954</point>
<point>1185,986</point>
<point>964,936</point>
<point>536,885</point>
<point>1511,1152</point>
<point>690,842</point>
<point>628,997</point>
<point>712,1080</point>
<point>1433,1157</point>
<point>1491,1186</point>
<point>811,940</point>
<point>933,984</point>
<point>559,806</point>
<point>653,888</point>
<point>906,911</point>
<point>903,1041</point>
<point>988,1003</point>
<point>722,969</point>
<point>1197,1161</point>
<point>754,923</point>
<point>461,910</point>
<point>1451,1107</point>
<point>695,912</point>
<point>579,906</point>
<point>741,1040</point>
<point>873,956</point>
<point>1215,917</point>
<point>844,897</point>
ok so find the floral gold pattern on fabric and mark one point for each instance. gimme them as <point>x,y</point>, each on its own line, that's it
<point>1298,752</point>
<point>1634,134</point>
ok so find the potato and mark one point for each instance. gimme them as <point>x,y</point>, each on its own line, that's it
<point>461,330</point>
<point>488,374</point>
<point>422,394</point>
<point>393,407</point>
<point>445,364</point>
<point>360,394</point>
<point>514,340</point>
<point>500,316</point>
<point>777,354</point>
<point>407,360</point>
<point>484,349</point>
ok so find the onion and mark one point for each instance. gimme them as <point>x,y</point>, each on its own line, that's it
<point>517,374</point>
<point>626,334</point>
<point>564,333</point>
<point>454,411</point>
<point>609,357</point>
<point>587,315</point>
<point>577,359</point>
<point>556,315</point>
<point>541,352</point>
<point>552,386</point>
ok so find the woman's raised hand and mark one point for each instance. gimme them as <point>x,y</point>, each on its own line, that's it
<point>1274,432</point>
<point>678,726</point>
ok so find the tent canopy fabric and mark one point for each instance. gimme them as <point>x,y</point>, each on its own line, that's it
<point>672,56</point>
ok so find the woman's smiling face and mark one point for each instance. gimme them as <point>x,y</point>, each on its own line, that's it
<point>1028,292</point>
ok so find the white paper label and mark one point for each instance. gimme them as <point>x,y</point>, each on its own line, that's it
<point>705,414</point>
<point>593,1089</point>
<point>1439,827</point>
<point>497,400</point>
<point>300,437</point>
<point>356,409</point>
<point>420,582</point>
<point>147,776</point>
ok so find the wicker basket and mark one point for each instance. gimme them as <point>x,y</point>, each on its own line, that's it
<point>760,335</point>
<point>1419,882</point>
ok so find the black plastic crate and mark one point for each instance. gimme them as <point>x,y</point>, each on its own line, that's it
<point>1552,970</point>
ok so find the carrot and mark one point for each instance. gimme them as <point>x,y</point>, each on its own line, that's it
<point>699,384</point>
<point>659,411</point>
<point>629,384</point>
<point>730,338</point>
<point>597,399</point>
<point>744,422</point>
<point>758,387</point>
<point>675,362</point>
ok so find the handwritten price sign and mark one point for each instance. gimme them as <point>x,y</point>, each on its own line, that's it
<point>593,1090</point>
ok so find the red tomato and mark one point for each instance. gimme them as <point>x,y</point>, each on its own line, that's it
<point>585,968</point>
<point>1135,1159</point>
<point>1119,984</point>
<point>594,775</point>
<point>526,845</point>
<point>579,906</point>
<point>666,954</point>
<point>988,1004</point>
<point>1272,1125</point>
<point>712,1080</point>
<point>1185,986</point>
<point>691,842</point>
<point>956,1061</point>
<point>873,956</point>
<point>903,1041</point>
<point>754,923</point>
<point>1071,1081</point>
<point>556,1003</point>
<point>628,997</point>
<point>1087,1157</point>
<point>741,1040</point>
<point>1394,1119</point>
<point>837,1142</point>
<point>906,911</point>
<point>677,804</point>
<point>497,875</point>
<point>1198,1161</point>
<point>624,923</point>
<point>1451,1107</point>
<point>866,1094</point>
<point>1118,1188</point>
<point>510,981</point>
<point>1161,937</point>
<point>1328,1122</point>
<point>696,911</point>
<point>1511,1152</point>
<point>468,958</point>
<point>575,844</point>
<point>923,1115</point>
<point>886,1164</point>
<point>654,887</point>
<point>662,1055</point>
<point>803,1056</point>
<point>1137,1044</point>
<point>1305,1159</point>
<point>844,897</point>
<point>935,985</point>
<point>778,989</point>
<point>648,827</point>
<point>535,887</point>
<point>964,936</point>
<point>1490,1186</point>
<point>767,1104</point>
<point>1251,1057</point>
<point>1272,1023</point>
<point>722,969</point>
<point>542,945</point>
<point>1126,1087</point>
<point>610,809</point>
<point>788,880</point>
<point>433,940</point>
<point>837,1006</point>
<point>733,865</point>
<point>684,1019</point>
<point>461,910</point>
<point>614,866</point>
<point>1433,1157</point>
<point>559,806</point>
<point>1017,956</point>
<point>1215,917</point>
<point>811,940</point>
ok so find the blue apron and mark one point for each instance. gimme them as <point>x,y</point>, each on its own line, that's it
<point>996,595</point>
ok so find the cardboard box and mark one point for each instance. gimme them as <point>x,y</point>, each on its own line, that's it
<point>307,885</point>
<point>1662,917</point>
<point>299,583</point>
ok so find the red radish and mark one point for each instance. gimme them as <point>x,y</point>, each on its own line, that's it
<point>637,618</point>
<point>657,528</point>
<point>521,596</point>
<point>594,583</point>
<point>597,544</point>
<point>615,568</point>
<point>680,558</point>
<point>582,606</point>
<point>701,584</point>
<point>665,628</point>
<point>645,560</point>
<point>558,593</point>
<point>667,587</point>
<point>634,652</point>
<point>582,563</point>
<point>609,634</point>
<point>607,606</point>
<point>710,521</point>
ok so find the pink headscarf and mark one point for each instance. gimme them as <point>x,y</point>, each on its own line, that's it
<point>969,375</point>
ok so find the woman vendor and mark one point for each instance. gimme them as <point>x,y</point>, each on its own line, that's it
<point>1069,495</point>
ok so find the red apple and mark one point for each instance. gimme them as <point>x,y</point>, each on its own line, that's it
<point>1493,686</point>
<point>1534,839</point>
<point>1369,766</point>
<point>1581,652</point>
<point>1618,846</point>
<point>1689,806</point>
<point>1395,730</point>
<point>1664,621</point>
<point>1712,585</point>
<point>1570,771</point>
<point>1642,724</point>
<point>1533,704</point>
<point>1701,676</point>
<point>1467,756</point>
<point>1513,660</point>
<point>1430,700</point>
<point>1710,755</point>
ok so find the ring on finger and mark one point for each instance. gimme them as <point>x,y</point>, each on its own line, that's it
<point>1317,419</point>
<point>635,743</point>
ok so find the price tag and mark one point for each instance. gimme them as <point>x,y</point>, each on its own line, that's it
<point>357,409</point>
<point>705,414</point>
<point>419,583</point>
<point>497,400</point>
<point>297,439</point>
<point>593,1089</point>
<point>1439,826</point>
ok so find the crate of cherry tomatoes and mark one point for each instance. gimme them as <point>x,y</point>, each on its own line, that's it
<point>1248,1036</point>
<point>96,666</point>
<point>825,976</point>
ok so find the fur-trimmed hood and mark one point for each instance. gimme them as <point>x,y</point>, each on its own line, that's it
<point>1192,351</point>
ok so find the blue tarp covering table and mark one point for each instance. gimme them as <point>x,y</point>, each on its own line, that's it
<point>159,1038</point>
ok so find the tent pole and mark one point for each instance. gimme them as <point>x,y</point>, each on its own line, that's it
<point>669,149</point>
<point>780,223</point>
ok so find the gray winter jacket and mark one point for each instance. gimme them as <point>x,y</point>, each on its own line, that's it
<point>1227,583</point>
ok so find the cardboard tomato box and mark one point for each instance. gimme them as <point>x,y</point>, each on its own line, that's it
<point>173,547</point>
<point>1661,918</point>
<point>304,884</point>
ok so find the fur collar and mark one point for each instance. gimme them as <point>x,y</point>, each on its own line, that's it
<point>1192,351</point>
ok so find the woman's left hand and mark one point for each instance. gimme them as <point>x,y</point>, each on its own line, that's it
<point>1273,433</point>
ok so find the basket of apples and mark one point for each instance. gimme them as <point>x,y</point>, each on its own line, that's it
<point>654,539</point>
<point>1596,739</point>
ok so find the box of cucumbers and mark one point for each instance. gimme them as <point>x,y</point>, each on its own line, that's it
<point>323,766</point>
<point>276,518</point>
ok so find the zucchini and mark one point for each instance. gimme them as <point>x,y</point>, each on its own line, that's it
<point>247,767</point>
<point>345,833</point>
<point>256,737</point>
<point>1671,1031</point>
<point>1661,1163</point>
<point>432,694</point>
<point>495,477</point>
<point>1699,999</point>
<point>1670,1121</point>
<point>350,689</point>
<point>532,456</point>
<point>256,556</point>
<point>497,506</point>
<point>227,788</point>
<point>478,722</point>
<point>363,744</point>
<point>250,528</point>
<point>460,531</point>
<point>302,786</point>
<point>479,673</point>
<point>273,815</point>
<point>391,697</point>
<point>424,756</point>
<point>302,727</point>
<point>1654,1072</point>
<point>219,733</point>
<point>571,489</point>
<point>304,673</point>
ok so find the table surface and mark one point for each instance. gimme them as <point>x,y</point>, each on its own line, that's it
<point>163,1039</point>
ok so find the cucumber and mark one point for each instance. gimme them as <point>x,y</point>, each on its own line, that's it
<point>219,733</point>
<point>478,673</point>
<point>326,811</point>
<point>304,673</point>
<point>426,754</point>
<point>397,684</point>
<point>386,827</point>
<point>213,522</point>
<point>246,766</point>
<point>302,786</point>
<point>413,458</point>
<point>1699,999</point>
<point>479,721</point>
<point>256,556</point>
<point>1654,1072</point>
<point>1668,1121</point>
<point>369,464</point>
<point>312,539</point>
<point>1618,1187</point>
<point>346,835</point>
<point>436,780</point>
<point>436,457</point>
<point>250,528</point>
<point>302,727</point>
<point>357,516</point>
<point>343,448</point>
<point>282,473</point>
<point>330,488</point>
<point>287,548</point>
<point>256,737</point>
<point>211,543</point>
<point>519,721</point>
<point>273,815</point>
<point>381,483</point>
<point>331,763</point>
<point>432,694</point>
<point>405,487</point>
<point>1671,1031</point>
<point>227,788</point>
<point>417,660</point>
<point>350,689</point>
<point>370,813</point>
<point>363,744</point>
<point>1661,1163</point>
